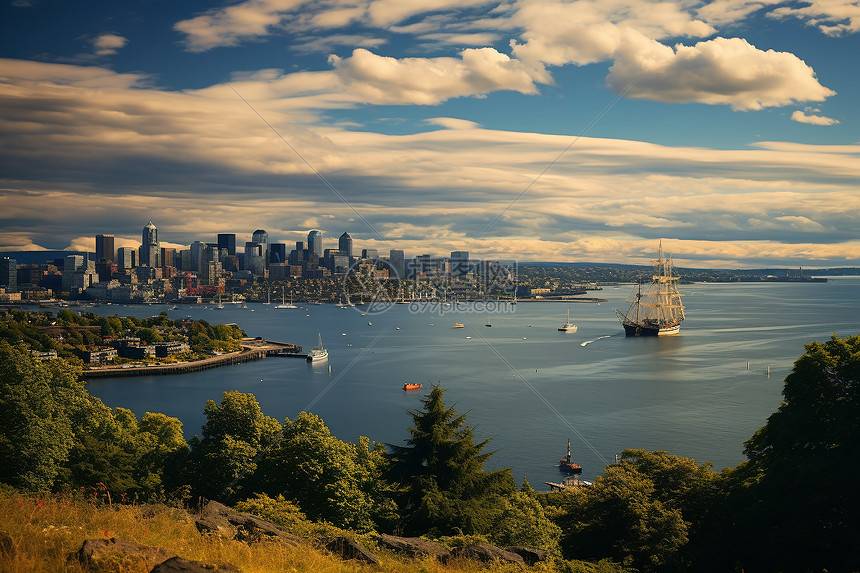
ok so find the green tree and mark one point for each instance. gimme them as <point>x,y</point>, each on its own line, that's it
<point>443,488</point>
<point>36,431</point>
<point>235,434</point>
<point>522,521</point>
<point>792,506</point>
<point>331,480</point>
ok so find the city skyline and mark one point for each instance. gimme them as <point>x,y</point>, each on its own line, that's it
<point>536,130</point>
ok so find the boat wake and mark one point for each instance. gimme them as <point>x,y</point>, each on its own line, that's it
<point>587,342</point>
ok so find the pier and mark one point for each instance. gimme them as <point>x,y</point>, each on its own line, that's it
<point>252,349</point>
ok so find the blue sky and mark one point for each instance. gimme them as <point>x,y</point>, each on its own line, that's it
<point>537,130</point>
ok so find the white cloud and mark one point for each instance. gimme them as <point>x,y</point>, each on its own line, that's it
<point>727,71</point>
<point>832,17</point>
<point>108,44</point>
<point>428,81</point>
<point>233,24</point>
<point>813,118</point>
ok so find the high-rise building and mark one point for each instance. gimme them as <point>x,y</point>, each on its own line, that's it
<point>459,263</point>
<point>370,254</point>
<point>9,274</point>
<point>149,249</point>
<point>315,243</point>
<point>397,260</point>
<point>227,241</point>
<point>254,258</point>
<point>344,245</point>
<point>105,248</point>
<point>126,257</point>
<point>262,237</point>
<point>277,253</point>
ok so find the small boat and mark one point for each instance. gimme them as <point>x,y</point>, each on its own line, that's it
<point>468,338</point>
<point>411,386</point>
<point>459,325</point>
<point>567,326</point>
<point>369,323</point>
<point>284,301</point>
<point>567,465</point>
<point>318,353</point>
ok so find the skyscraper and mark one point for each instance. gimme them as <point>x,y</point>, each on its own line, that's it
<point>460,263</point>
<point>227,241</point>
<point>315,243</point>
<point>262,237</point>
<point>9,274</point>
<point>149,249</point>
<point>344,245</point>
<point>254,258</point>
<point>105,248</point>
<point>397,259</point>
<point>277,253</point>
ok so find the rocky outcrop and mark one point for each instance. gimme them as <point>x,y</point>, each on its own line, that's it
<point>530,555</point>
<point>347,548</point>
<point>414,547</point>
<point>218,519</point>
<point>487,554</point>
<point>180,565</point>
<point>94,551</point>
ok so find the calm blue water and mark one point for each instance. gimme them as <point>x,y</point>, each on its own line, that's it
<point>521,382</point>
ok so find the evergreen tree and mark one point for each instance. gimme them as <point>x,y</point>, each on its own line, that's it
<point>443,488</point>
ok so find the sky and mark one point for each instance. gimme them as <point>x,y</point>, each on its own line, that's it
<point>533,130</point>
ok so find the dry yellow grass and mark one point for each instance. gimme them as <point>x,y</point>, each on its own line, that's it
<point>46,529</point>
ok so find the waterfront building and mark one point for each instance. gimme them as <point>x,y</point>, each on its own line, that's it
<point>344,245</point>
<point>9,274</point>
<point>315,243</point>
<point>397,260</point>
<point>149,248</point>
<point>105,248</point>
<point>227,241</point>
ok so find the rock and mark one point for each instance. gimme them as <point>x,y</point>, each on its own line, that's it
<point>530,555</point>
<point>488,554</point>
<point>347,548</point>
<point>414,547</point>
<point>94,550</point>
<point>218,519</point>
<point>180,565</point>
<point>7,546</point>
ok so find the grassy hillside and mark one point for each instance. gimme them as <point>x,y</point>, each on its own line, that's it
<point>45,530</point>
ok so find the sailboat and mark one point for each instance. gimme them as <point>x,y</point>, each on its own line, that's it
<point>220,304</point>
<point>658,311</point>
<point>318,353</point>
<point>284,302</point>
<point>567,326</point>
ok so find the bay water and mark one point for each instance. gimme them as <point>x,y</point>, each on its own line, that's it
<point>520,382</point>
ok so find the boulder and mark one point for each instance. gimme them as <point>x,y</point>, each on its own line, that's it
<point>487,554</point>
<point>93,551</point>
<point>180,565</point>
<point>414,547</point>
<point>347,548</point>
<point>530,555</point>
<point>218,519</point>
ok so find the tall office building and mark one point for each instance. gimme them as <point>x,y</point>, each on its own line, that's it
<point>262,237</point>
<point>149,248</point>
<point>459,263</point>
<point>254,258</point>
<point>397,259</point>
<point>344,245</point>
<point>105,248</point>
<point>277,253</point>
<point>227,241</point>
<point>370,254</point>
<point>126,257</point>
<point>9,274</point>
<point>315,243</point>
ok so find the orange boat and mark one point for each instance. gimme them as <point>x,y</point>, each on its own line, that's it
<point>411,386</point>
<point>567,465</point>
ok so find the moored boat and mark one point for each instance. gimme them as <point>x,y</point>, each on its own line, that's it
<point>567,326</point>
<point>567,465</point>
<point>658,311</point>
<point>318,353</point>
<point>459,325</point>
<point>411,386</point>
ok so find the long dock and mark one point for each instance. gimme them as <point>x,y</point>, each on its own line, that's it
<point>252,349</point>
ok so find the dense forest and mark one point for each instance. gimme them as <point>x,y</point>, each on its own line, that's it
<point>790,506</point>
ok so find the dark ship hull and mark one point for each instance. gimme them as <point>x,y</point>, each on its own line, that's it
<point>633,329</point>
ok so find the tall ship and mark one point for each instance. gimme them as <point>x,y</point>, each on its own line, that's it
<point>655,310</point>
<point>318,353</point>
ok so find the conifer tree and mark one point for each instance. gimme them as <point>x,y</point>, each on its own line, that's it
<point>443,487</point>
